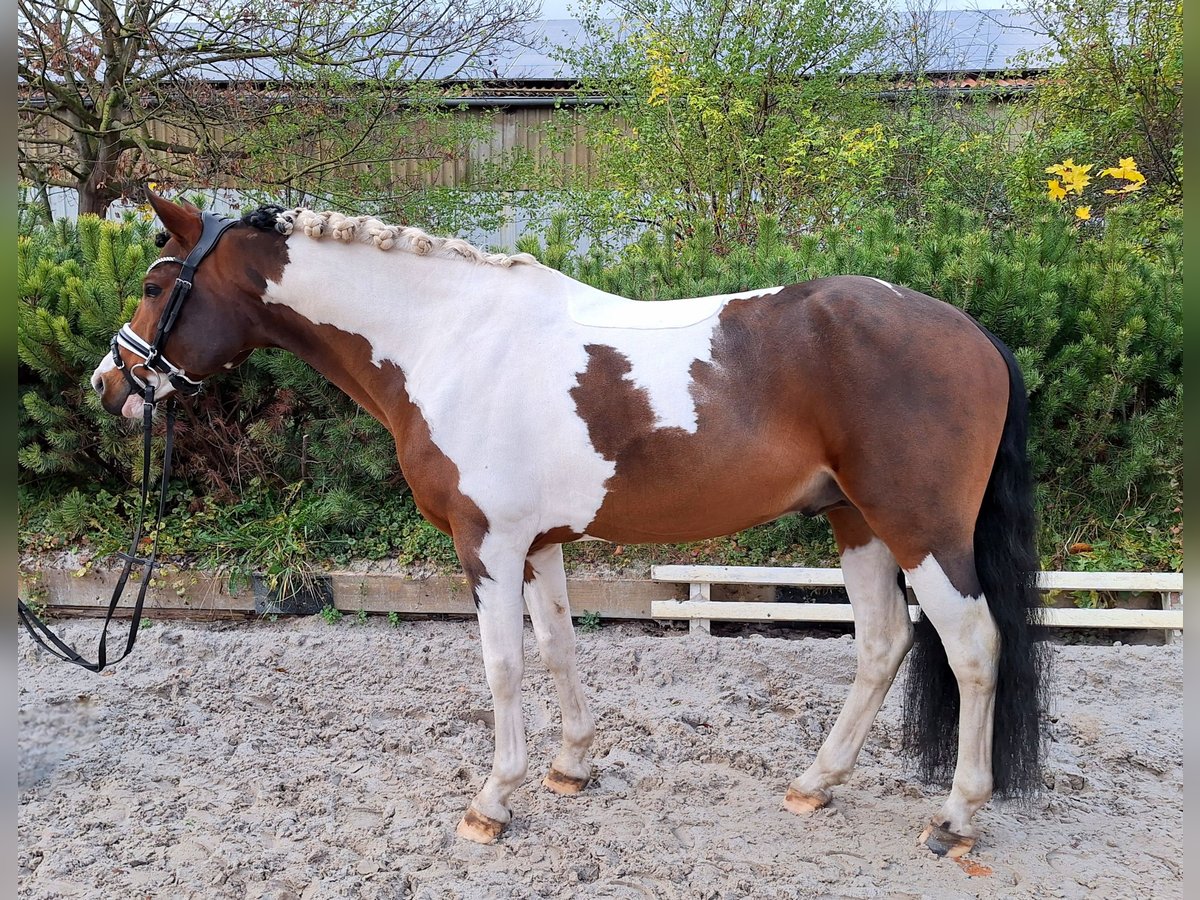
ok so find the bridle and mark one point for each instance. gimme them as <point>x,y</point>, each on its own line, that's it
<point>152,357</point>
<point>152,360</point>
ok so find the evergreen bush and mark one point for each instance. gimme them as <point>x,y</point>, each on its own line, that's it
<point>279,470</point>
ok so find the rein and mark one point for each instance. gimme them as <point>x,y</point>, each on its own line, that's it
<point>214,227</point>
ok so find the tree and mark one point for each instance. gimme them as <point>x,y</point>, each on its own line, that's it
<point>111,94</point>
<point>1115,89</point>
<point>720,110</point>
<point>949,145</point>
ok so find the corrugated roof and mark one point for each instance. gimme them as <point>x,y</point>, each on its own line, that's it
<point>973,41</point>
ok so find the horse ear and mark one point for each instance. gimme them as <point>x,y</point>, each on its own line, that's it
<point>183,221</point>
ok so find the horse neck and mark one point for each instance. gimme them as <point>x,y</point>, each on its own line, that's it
<point>363,317</point>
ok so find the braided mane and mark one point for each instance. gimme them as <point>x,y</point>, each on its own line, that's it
<point>369,230</point>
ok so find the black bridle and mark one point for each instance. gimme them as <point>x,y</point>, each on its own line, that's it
<point>214,227</point>
<point>152,357</point>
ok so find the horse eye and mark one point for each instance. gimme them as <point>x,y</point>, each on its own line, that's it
<point>153,290</point>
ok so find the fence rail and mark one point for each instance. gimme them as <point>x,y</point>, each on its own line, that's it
<point>700,610</point>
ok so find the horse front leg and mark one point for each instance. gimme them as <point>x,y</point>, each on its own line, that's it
<point>497,589</point>
<point>550,612</point>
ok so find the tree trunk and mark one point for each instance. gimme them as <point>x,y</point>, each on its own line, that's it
<point>94,199</point>
<point>99,189</point>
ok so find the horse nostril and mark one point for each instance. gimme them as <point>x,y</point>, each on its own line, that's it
<point>98,384</point>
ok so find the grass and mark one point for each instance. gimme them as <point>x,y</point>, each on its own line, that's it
<point>589,622</point>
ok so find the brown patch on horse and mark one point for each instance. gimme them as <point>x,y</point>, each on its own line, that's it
<point>850,529</point>
<point>561,534</point>
<point>747,462</point>
<point>959,567</point>
<point>433,478</point>
<point>615,417</point>
<point>829,393</point>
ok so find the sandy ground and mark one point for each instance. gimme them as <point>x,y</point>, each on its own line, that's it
<point>299,759</point>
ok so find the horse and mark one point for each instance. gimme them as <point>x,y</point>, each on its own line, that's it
<point>530,410</point>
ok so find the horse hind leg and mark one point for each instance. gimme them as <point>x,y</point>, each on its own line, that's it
<point>550,613</point>
<point>971,640</point>
<point>883,635</point>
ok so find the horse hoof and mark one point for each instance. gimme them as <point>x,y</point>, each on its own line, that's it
<point>478,828</point>
<point>943,842</point>
<point>562,784</point>
<point>802,804</point>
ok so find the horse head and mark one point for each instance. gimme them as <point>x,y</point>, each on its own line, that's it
<point>198,312</point>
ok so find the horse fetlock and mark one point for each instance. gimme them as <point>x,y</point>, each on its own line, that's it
<point>580,736</point>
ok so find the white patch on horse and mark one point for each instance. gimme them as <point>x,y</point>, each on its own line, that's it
<point>106,365</point>
<point>488,358</point>
<point>660,356</point>
<point>891,287</point>
<point>972,641</point>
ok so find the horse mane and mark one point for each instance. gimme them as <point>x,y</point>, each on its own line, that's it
<point>370,230</point>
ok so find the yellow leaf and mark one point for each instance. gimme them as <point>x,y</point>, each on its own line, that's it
<point>1055,190</point>
<point>1083,212</point>
<point>1076,180</point>
<point>1129,188</point>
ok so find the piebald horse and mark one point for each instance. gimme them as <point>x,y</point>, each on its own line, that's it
<point>530,410</point>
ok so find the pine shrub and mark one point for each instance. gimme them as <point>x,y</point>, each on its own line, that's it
<point>1093,315</point>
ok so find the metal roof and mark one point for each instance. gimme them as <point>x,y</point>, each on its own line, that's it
<point>959,40</point>
<point>956,42</point>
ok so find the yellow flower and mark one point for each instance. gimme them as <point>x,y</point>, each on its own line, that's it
<point>1083,212</point>
<point>1055,190</point>
<point>1078,180</point>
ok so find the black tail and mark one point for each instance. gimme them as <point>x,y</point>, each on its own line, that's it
<point>1006,561</point>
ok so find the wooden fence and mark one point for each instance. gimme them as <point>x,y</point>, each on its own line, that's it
<point>711,593</point>
<point>700,609</point>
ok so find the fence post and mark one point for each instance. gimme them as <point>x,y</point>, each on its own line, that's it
<point>699,592</point>
<point>1172,600</point>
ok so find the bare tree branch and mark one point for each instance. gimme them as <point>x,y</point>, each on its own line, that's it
<point>108,88</point>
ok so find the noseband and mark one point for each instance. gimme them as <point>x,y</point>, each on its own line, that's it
<point>152,357</point>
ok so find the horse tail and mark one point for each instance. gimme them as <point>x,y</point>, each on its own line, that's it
<point>1006,562</point>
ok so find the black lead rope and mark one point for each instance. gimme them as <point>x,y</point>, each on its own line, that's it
<point>212,229</point>
<point>41,632</point>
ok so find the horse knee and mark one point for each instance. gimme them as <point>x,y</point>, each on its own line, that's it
<point>504,674</point>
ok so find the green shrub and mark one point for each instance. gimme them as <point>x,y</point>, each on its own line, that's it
<point>280,472</point>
